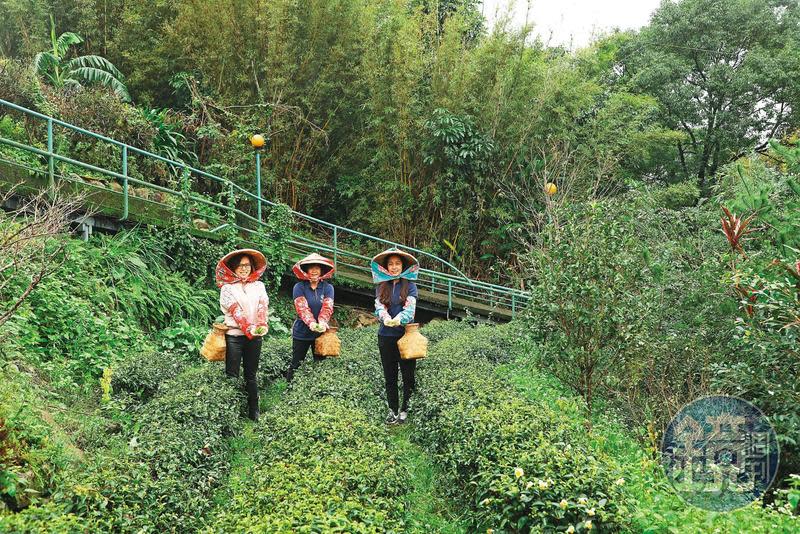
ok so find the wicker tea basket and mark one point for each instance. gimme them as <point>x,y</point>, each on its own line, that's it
<point>213,348</point>
<point>328,344</point>
<point>413,344</point>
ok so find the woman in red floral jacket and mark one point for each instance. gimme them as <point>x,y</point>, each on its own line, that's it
<point>244,301</point>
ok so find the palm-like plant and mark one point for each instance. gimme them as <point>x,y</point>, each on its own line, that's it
<point>60,71</point>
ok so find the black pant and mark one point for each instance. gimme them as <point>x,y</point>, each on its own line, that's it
<point>390,359</point>
<point>240,350</point>
<point>299,351</point>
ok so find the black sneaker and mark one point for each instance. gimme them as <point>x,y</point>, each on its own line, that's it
<point>391,419</point>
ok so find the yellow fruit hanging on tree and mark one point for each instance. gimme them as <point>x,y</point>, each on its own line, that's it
<point>550,189</point>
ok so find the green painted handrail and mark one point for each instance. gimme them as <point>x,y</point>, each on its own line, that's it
<point>457,284</point>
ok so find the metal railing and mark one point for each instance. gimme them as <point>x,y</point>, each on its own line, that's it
<point>348,247</point>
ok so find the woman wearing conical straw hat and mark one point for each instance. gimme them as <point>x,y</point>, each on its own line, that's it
<point>313,302</point>
<point>394,272</point>
<point>244,301</point>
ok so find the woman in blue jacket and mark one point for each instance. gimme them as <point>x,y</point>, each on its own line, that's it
<point>394,272</point>
<point>313,302</point>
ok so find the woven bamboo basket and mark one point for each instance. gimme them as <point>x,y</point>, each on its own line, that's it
<point>213,348</point>
<point>328,344</point>
<point>413,344</point>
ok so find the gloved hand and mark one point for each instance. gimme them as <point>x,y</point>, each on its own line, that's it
<point>388,322</point>
<point>259,330</point>
<point>322,326</point>
<point>313,326</point>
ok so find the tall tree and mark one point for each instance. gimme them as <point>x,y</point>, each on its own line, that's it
<point>724,72</point>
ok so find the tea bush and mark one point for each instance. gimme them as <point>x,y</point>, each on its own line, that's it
<point>139,378</point>
<point>320,466</point>
<point>276,353</point>
<point>510,462</point>
<point>170,458</point>
<point>323,459</point>
<point>622,305</point>
<point>33,456</point>
<point>653,504</point>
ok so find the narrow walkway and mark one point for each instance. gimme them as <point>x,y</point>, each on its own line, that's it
<point>426,509</point>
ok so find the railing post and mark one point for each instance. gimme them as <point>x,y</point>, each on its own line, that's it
<point>449,295</point>
<point>335,247</point>
<point>433,283</point>
<point>124,182</point>
<point>51,162</point>
<point>185,190</point>
<point>513,305</point>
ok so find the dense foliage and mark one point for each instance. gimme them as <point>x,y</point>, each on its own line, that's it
<point>382,115</point>
<point>664,266</point>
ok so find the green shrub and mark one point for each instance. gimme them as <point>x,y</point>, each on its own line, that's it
<point>178,455</point>
<point>175,454</point>
<point>33,456</point>
<point>481,432</point>
<point>320,466</point>
<point>139,377</point>
<point>276,353</point>
<point>11,129</point>
<point>72,336</point>
<point>677,196</point>
<point>18,83</point>
<point>623,308</point>
<point>323,460</point>
<point>654,506</point>
<point>594,294</point>
<point>764,276</point>
<point>93,312</point>
<point>183,338</point>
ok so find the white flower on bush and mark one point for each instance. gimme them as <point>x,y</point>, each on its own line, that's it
<point>529,484</point>
<point>485,502</point>
<point>543,484</point>
<point>590,511</point>
<point>588,525</point>
<point>563,504</point>
<point>571,530</point>
<point>518,472</point>
<point>582,500</point>
<point>619,481</point>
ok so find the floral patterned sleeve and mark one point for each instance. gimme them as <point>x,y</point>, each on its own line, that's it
<point>326,312</point>
<point>262,311</point>
<point>301,305</point>
<point>410,306</point>
<point>380,310</point>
